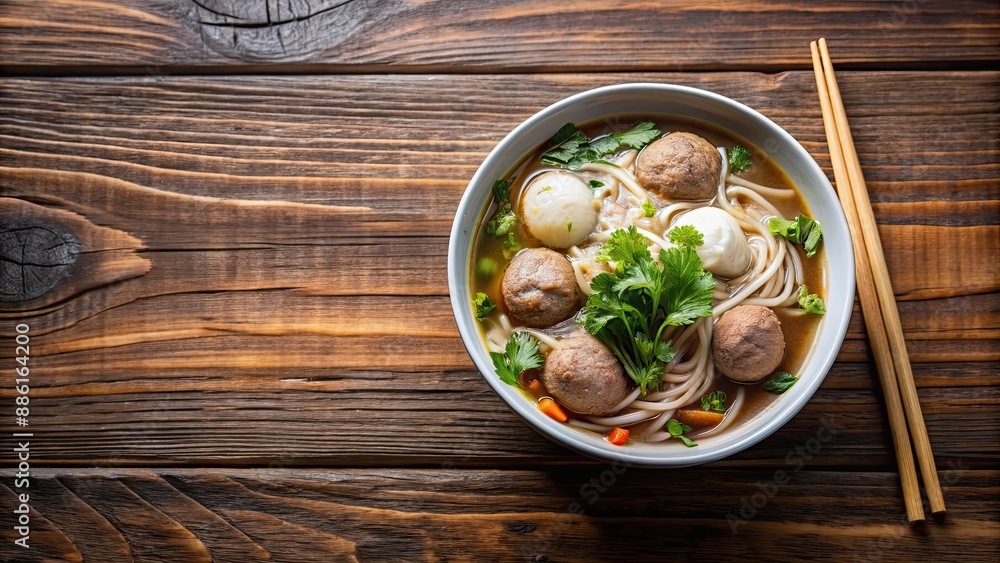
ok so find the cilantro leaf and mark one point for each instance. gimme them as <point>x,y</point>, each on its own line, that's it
<point>564,145</point>
<point>648,208</point>
<point>714,401</point>
<point>739,159</point>
<point>803,230</point>
<point>624,245</point>
<point>483,306</point>
<point>604,145</point>
<point>779,382</point>
<point>630,308</point>
<point>688,291</point>
<point>503,221</point>
<point>811,302</point>
<point>594,184</point>
<point>677,430</point>
<point>570,148</point>
<point>685,235</point>
<point>639,136</point>
<point>521,354</point>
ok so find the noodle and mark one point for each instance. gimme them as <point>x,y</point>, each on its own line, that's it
<point>771,279</point>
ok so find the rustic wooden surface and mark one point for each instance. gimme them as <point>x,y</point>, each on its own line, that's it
<point>242,344</point>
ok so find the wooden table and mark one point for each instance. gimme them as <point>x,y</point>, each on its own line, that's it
<point>225,224</point>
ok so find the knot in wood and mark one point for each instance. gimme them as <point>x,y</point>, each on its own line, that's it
<point>33,260</point>
<point>278,30</point>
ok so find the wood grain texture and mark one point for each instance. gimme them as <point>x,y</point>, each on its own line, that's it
<point>329,200</point>
<point>569,514</point>
<point>310,35</point>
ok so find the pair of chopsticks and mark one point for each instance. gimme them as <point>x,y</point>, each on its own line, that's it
<point>878,303</point>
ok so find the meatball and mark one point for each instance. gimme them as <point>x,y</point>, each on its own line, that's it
<point>747,344</point>
<point>539,288</point>
<point>680,166</point>
<point>584,376</point>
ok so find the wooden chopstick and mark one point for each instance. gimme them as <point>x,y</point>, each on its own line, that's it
<point>881,323</point>
<point>887,300</point>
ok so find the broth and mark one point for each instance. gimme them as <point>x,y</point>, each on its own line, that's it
<point>490,257</point>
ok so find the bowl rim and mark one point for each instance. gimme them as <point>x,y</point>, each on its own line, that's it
<point>562,434</point>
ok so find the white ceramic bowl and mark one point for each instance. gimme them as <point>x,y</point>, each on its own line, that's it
<point>691,103</point>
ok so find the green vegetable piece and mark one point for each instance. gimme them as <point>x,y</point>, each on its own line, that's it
<point>569,227</point>
<point>594,184</point>
<point>483,306</point>
<point>739,159</point>
<point>811,302</point>
<point>570,148</point>
<point>802,230</point>
<point>564,145</point>
<point>486,267</point>
<point>521,354</point>
<point>649,208</point>
<point>686,235</point>
<point>504,219</point>
<point>714,401</point>
<point>779,382</point>
<point>677,430</point>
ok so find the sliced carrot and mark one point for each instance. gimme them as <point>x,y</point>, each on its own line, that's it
<point>551,408</point>
<point>697,419</point>
<point>618,436</point>
<point>536,388</point>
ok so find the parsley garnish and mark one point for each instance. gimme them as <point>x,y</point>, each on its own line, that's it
<point>630,308</point>
<point>483,306</point>
<point>649,208</point>
<point>570,148</point>
<point>811,302</point>
<point>779,382</point>
<point>714,401</point>
<point>594,184</point>
<point>739,159</point>
<point>802,230</point>
<point>521,354</point>
<point>569,227</point>
<point>685,235</point>
<point>503,221</point>
<point>677,430</point>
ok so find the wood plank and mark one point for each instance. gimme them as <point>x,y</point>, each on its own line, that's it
<point>501,35</point>
<point>330,199</point>
<point>355,416</point>
<point>577,514</point>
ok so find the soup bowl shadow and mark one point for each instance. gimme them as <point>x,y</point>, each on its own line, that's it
<point>629,99</point>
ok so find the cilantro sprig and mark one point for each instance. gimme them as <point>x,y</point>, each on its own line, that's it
<point>570,147</point>
<point>686,235</point>
<point>630,308</point>
<point>802,230</point>
<point>714,401</point>
<point>677,429</point>
<point>739,159</point>
<point>521,353</point>
<point>503,221</point>
<point>484,306</point>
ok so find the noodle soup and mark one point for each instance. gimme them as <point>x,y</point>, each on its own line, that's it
<point>650,281</point>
